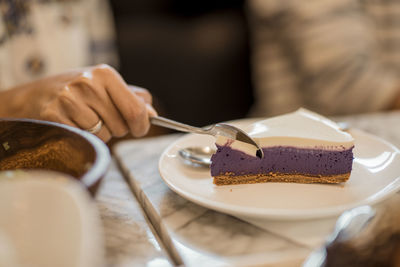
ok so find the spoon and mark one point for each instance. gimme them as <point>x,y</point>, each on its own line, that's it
<point>348,226</point>
<point>220,129</point>
<point>201,156</point>
<point>197,156</point>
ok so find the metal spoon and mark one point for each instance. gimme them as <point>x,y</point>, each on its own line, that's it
<point>197,156</point>
<point>221,129</point>
<point>201,156</point>
<point>348,226</point>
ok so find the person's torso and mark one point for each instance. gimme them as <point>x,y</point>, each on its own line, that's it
<point>41,38</point>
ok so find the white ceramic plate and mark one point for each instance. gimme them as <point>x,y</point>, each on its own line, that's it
<point>375,176</point>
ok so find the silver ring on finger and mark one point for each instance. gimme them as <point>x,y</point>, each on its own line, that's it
<point>96,128</point>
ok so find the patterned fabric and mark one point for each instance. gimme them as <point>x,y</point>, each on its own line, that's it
<point>332,56</point>
<point>43,37</point>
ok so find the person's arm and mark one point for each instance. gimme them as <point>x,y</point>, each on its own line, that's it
<point>81,98</point>
<point>327,50</point>
<point>396,102</point>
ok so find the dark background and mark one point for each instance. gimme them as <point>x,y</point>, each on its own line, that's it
<point>192,55</point>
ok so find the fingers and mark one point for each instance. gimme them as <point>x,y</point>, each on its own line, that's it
<point>80,114</point>
<point>104,134</point>
<point>61,113</point>
<point>151,111</point>
<point>147,98</point>
<point>142,93</point>
<point>52,113</point>
<point>132,106</point>
<point>106,109</point>
<point>101,93</point>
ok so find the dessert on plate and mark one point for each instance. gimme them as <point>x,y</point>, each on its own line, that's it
<point>299,147</point>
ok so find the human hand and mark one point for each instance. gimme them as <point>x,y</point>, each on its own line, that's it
<point>81,98</point>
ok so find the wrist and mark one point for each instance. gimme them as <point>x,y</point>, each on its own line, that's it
<point>396,102</point>
<point>10,103</point>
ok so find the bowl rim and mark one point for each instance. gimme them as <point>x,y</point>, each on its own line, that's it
<point>102,153</point>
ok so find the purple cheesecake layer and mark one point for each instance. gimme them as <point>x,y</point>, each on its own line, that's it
<point>282,160</point>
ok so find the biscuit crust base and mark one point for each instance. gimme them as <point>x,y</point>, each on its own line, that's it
<point>229,179</point>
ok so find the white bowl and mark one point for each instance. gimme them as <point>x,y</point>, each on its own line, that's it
<point>48,219</point>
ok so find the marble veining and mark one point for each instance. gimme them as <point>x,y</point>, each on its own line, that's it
<point>128,238</point>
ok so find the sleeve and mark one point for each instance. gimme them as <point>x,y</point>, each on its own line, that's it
<point>4,57</point>
<point>328,53</point>
<point>101,27</point>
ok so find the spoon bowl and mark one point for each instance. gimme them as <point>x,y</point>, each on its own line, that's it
<point>197,156</point>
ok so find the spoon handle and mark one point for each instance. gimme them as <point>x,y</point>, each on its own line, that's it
<point>167,123</point>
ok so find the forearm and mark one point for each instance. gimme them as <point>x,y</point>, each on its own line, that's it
<point>11,103</point>
<point>396,102</point>
<point>28,99</point>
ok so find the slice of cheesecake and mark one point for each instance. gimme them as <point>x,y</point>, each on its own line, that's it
<point>299,147</point>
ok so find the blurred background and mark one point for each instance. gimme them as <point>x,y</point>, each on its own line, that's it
<point>192,55</point>
<point>211,61</point>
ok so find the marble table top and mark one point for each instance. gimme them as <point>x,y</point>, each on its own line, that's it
<point>174,231</point>
<point>128,237</point>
